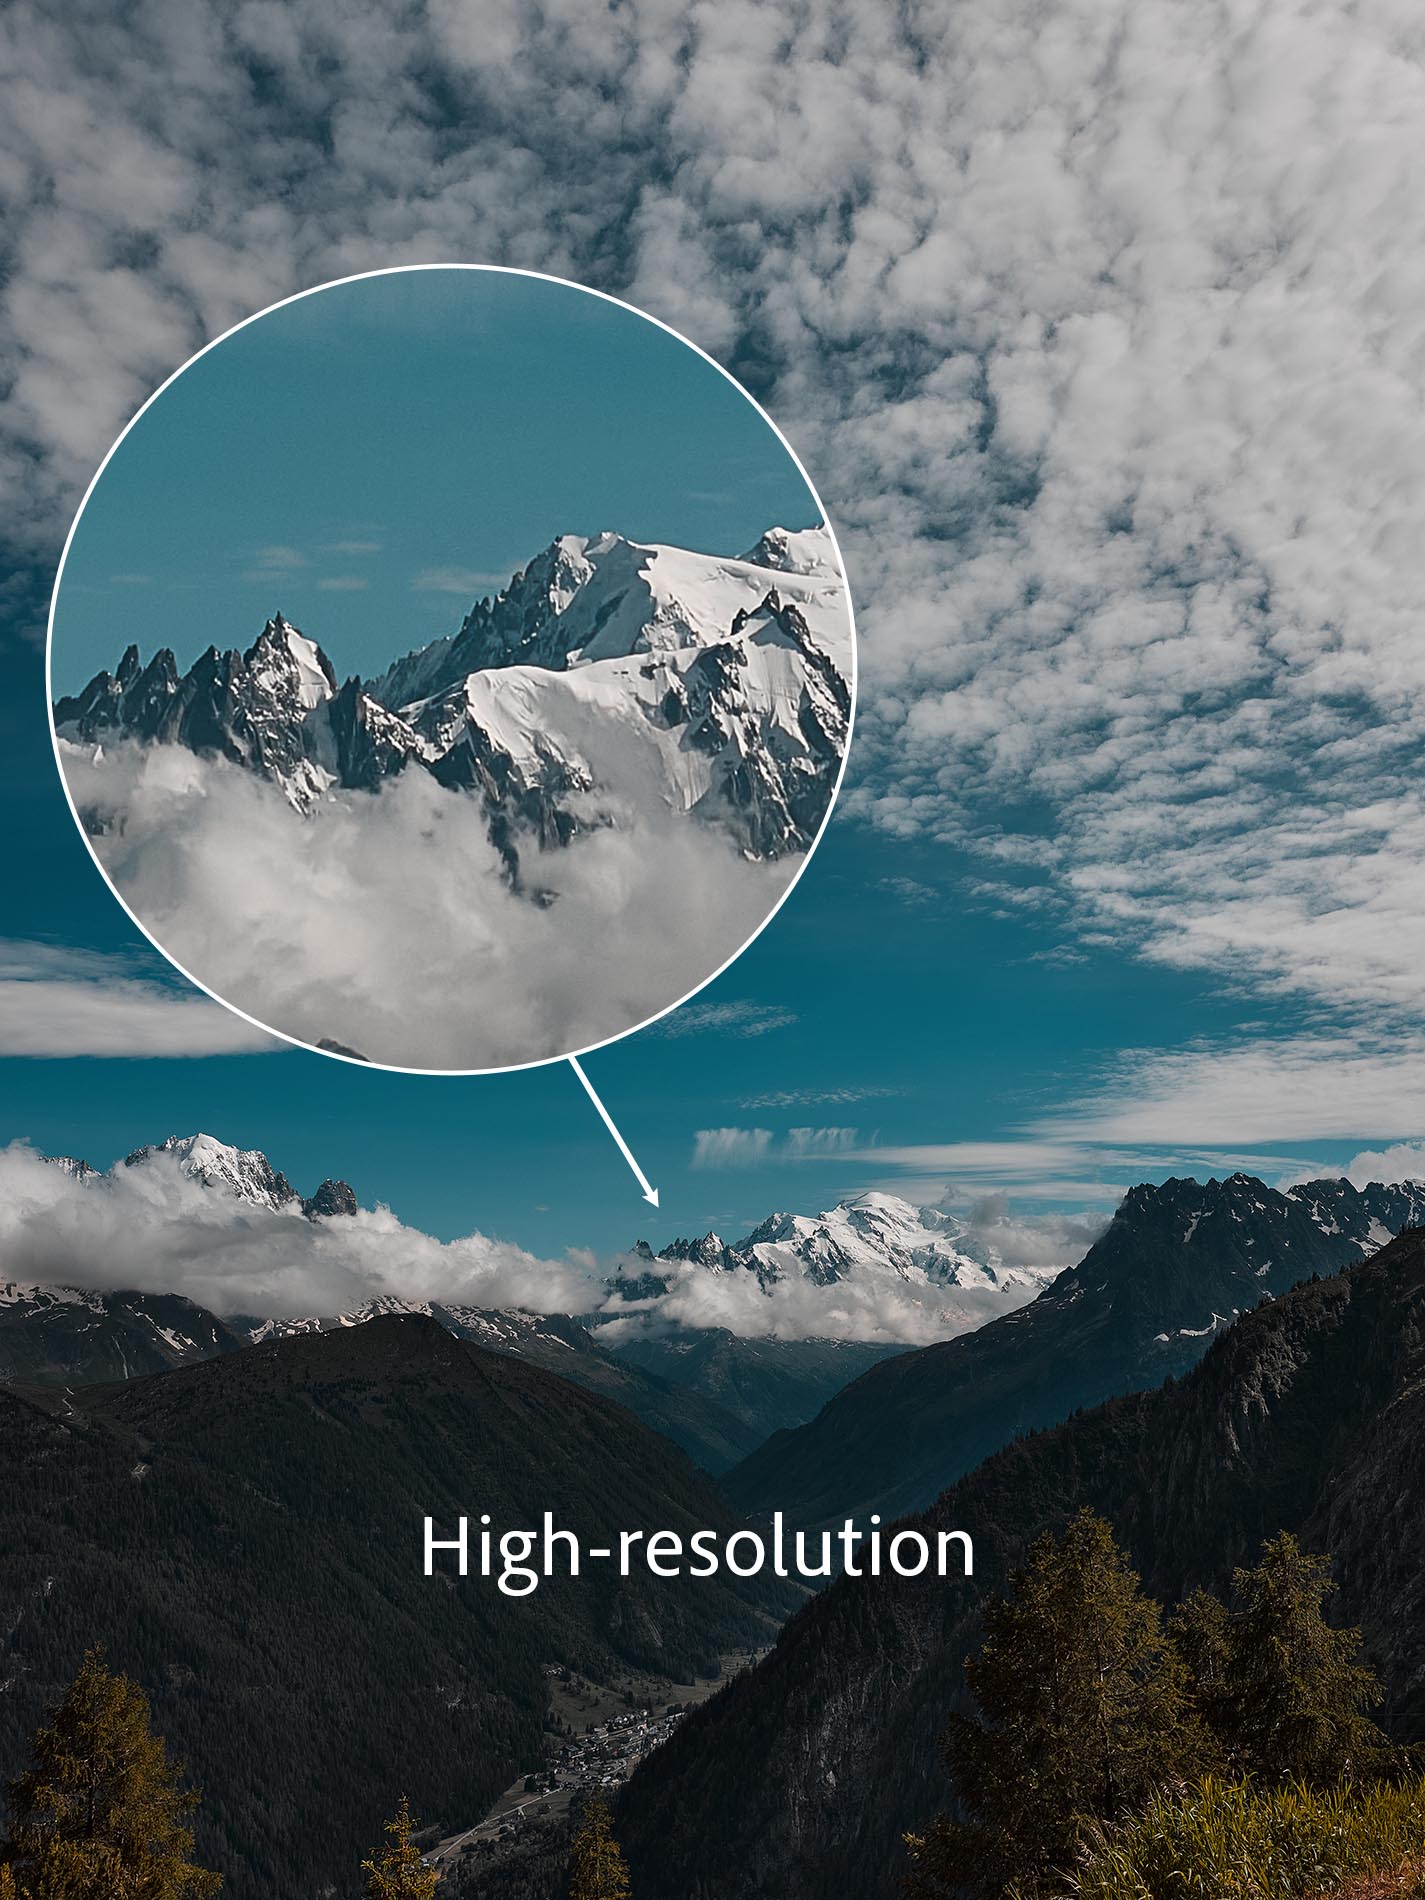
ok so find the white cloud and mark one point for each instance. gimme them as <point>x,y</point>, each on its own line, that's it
<point>65,1002</point>
<point>1304,1088</point>
<point>469,582</point>
<point>841,1096</point>
<point>343,583</point>
<point>810,1144</point>
<point>731,1147</point>
<point>1096,325</point>
<point>154,1229</point>
<point>726,1019</point>
<point>1404,1161</point>
<point>386,923</point>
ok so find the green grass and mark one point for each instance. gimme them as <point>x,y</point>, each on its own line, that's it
<point>1230,1841</point>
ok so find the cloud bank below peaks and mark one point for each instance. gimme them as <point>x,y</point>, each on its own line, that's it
<point>155,1228</point>
<point>385,922</point>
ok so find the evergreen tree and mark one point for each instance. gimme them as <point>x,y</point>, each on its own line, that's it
<point>600,1871</point>
<point>396,1872</point>
<point>1084,1713</point>
<point>100,1814</point>
<point>1281,1688</point>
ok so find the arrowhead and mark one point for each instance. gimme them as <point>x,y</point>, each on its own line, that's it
<point>652,1195</point>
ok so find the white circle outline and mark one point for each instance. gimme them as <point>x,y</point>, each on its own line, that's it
<point>335,1055</point>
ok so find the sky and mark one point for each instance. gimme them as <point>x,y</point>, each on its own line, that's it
<point>372,460</point>
<point>1098,328</point>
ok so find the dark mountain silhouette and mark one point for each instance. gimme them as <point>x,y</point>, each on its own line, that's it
<point>797,1782</point>
<point>1177,1264</point>
<point>245,1536</point>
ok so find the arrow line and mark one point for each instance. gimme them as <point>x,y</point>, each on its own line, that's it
<point>649,1193</point>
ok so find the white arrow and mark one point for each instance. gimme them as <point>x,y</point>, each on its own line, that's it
<point>649,1193</point>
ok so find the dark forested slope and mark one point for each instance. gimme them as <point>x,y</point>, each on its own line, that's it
<point>797,1782</point>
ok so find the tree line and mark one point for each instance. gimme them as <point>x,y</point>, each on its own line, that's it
<point>1093,1702</point>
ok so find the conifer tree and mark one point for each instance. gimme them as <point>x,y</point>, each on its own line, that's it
<point>600,1871</point>
<point>1280,1687</point>
<point>395,1872</point>
<point>1083,1714</point>
<point>100,1814</point>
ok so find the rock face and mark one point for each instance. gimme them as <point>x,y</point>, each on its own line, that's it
<point>1307,1414</point>
<point>606,671</point>
<point>65,1335</point>
<point>1178,1262</point>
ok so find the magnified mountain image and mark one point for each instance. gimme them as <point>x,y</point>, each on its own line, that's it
<point>452,669</point>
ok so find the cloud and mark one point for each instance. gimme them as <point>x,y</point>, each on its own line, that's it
<point>353,547</point>
<point>466,581</point>
<point>811,1144</point>
<point>1302,1088</point>
<point>155,1229</point>
<point>726,1019</point>
<point>731,1147</point>
<point>385,922</point>
<point>816,1098</point>
<point>1097,327</point>
<point>1031,1240</point>
<point>909,890</point>
<point>1404,1161</point>
<point>280,560</point>
<point>749,1147</point>
<point>66,1002</point>
<point>343,583</point>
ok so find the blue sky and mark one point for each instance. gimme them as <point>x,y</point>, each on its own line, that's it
<point>1119,429</point>
<point>372,460</point>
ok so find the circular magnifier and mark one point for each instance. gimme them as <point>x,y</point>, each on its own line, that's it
<point>451,668</point>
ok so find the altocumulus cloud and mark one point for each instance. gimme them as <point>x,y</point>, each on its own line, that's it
<point>57,1001</point>
<point>1096,322</point>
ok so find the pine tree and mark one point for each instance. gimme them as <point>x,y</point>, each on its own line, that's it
<point>600,1871</point>
<point>1084,1713</point>
<point>1278,1685</point>
<point>396,1871</point>
<point>100,1814</point>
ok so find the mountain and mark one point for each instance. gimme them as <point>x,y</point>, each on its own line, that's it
<point>606,673</point>
<point>714,1435</point>
<point>244,1173</point>
<point>1177,1263</point>
<point>868,1241</point>
<point>767,1385</point>
<point>245,1537</point>
<point>64,1335</point>
<point>715,1394</point>
<point>1308,1414</point>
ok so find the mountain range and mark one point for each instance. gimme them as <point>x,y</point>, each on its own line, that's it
<point>245,1535</point>
<point>1306,1414</point>
<point>715,1393</point>
<point>605,673</point>
<point>1179,1261</point>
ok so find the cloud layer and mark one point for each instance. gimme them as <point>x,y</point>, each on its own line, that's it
<point>58,1001</point>
<point>154,1229</point>
<point>1098,326</point>
<point>385,922</point>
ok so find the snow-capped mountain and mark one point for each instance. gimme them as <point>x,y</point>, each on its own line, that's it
<point>871,1237</point>
<point>607,675</point>
<point>244,1173</point>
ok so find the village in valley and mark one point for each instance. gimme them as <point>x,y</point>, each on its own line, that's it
<point>596,1736</point>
